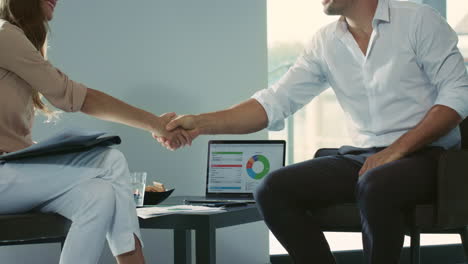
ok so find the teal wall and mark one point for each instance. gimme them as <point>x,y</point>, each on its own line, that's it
<point>162,55</point>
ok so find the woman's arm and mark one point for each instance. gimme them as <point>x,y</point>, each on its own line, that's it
<point>106,107</point>
<point>18,55</point>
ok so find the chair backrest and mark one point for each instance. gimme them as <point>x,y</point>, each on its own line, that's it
<point>464,133</point>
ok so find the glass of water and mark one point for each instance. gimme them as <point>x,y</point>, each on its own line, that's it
<point>138,180</point>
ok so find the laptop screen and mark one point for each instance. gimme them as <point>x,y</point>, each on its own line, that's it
<point>238,167</point>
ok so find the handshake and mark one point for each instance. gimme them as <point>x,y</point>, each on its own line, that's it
<point>174,132</point>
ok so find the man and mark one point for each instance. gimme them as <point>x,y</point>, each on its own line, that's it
<point>403,85</point>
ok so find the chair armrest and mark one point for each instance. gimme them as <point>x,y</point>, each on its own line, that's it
<point>326,152</point>
<point>452,189</point>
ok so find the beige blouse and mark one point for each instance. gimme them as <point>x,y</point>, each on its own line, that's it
<point>22,68</point>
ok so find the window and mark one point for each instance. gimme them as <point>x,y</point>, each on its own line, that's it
<point>290,25</point>
<point>457,16</point>
<point>321,123</point>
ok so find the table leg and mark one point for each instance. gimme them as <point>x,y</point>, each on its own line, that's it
<point>205,245</point>
<point>182,247</point>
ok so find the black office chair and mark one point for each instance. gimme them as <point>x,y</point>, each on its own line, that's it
<point>449,214</point>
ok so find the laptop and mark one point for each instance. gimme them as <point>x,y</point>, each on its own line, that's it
<point>236,167</point>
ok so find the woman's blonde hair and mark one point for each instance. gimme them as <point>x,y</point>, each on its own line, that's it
<point>28,15</point>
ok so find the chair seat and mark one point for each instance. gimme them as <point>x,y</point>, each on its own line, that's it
<point>32,226</point>
<point>345,218</point>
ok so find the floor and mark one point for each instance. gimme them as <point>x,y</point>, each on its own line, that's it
<point>352,241</point>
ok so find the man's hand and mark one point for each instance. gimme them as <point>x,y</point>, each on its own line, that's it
<point>176,138</point>
<point>186,122</point>
<point>438,122</point>
<point>380,158</point>
<point>246,117</point>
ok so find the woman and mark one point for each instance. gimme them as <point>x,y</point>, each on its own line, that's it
<point>92,189</point>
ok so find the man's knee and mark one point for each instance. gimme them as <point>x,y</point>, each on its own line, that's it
<point>371,189</point>
<point>261,192</point>
<point>272,183</point>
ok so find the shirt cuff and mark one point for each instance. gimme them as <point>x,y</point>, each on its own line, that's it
<point>262,98</point>
<point>457,104</point>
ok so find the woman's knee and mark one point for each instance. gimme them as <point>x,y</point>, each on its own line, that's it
<point>112,155</point>
<point>116,165</point>
<point>115,155</point>
<point>97,198</point>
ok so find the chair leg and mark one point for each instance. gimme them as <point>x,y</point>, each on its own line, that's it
<point>415,246</point>
<point>464,240</point>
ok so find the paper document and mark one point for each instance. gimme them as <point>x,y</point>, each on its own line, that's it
<point>148,212</point>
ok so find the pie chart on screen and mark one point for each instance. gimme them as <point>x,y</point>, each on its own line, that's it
<point>257,175</point>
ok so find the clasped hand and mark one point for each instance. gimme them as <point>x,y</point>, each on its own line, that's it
<point>175,132</point>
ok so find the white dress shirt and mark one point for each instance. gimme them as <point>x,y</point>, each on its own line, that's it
<point>412,63</point>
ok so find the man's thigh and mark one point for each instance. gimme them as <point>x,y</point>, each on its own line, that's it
<point>407,181</point>
<point>322,181</point>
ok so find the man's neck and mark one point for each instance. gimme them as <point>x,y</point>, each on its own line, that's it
<point>359,17</point>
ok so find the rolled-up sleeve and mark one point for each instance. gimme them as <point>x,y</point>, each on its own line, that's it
<point>436,49</point>
<point>19,56</point>
<point>304,80</point>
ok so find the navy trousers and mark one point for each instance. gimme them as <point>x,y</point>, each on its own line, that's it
<point>287,198</point>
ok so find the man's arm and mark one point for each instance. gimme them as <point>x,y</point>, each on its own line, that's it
<point>438,121</point>
<point>435,44</point>
<point>268,107</point>
<point>106,107</point>
<point>246,117</point>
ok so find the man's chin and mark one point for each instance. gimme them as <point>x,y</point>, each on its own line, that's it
<point>329,10</point>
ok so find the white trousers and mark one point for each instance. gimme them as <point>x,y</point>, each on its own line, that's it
<point>91,188</point>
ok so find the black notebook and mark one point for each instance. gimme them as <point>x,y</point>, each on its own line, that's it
<point>67,141</point>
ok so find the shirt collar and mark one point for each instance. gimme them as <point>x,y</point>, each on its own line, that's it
<point>341,27</point>
<point>382,13</point>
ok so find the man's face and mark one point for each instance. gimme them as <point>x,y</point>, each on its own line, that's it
<point>336,7</point>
